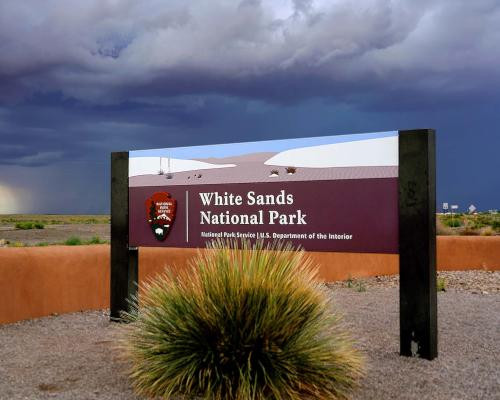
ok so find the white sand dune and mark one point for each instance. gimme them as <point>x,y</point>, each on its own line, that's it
<point>151,165</point>
<point>362,153</point>
<point>258,172</point>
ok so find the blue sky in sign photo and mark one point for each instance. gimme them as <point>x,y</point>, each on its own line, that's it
<point>235,149</point>
<point>79,80</point>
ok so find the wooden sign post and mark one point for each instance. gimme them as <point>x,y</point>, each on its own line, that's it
<point>124,260</point>
<point>417,243</point>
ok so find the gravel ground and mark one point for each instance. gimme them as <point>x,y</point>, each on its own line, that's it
<point>54,233</point>
<point>475,282</point>
<point>70,356</point>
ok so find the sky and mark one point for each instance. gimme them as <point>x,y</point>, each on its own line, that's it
<point>240,148</point>
<point>79,80</point>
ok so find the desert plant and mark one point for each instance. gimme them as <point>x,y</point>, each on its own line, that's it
<point>441,228</point>
<point>239,324</point>
<point>441,285</point>
<point>487,231</point>
<point>469,231</point>
<point>452,222</point>
<point>360,287</point>
<point>24,225</point>
<point>73,241</point>
<point>16,244</point>
<point>95,240</point>
<point>29,225</point>
<point>42,244</point>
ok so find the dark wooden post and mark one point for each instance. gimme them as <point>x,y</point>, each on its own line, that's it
<point>417,243</point>
<point>124,261</point>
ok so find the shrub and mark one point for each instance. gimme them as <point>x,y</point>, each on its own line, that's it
<point>488,231</point>
<point>16,244</point>
<point>29,225</point>
<point>441,229</point>
<point>452,222</point>
<point>239,324</point>
<point>96,240</point>
<point>360,287</point>
<point>469,231</point>
<point>24,225</point>
<point>42,244</point>
<point>441,285</point>
<point>73,241</point>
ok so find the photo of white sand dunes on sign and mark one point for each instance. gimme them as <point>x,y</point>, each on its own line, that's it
<point>360,156</point>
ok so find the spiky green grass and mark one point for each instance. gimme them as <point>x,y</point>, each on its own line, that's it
<point>239,324</point>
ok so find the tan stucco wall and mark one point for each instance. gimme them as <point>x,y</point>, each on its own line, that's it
<point>461,253</point>
<point>39,281</point>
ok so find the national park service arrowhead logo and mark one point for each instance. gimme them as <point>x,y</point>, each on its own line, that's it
<point>160,211</point>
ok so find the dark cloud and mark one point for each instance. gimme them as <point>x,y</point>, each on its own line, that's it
<point>81,79</point>
<point>76,180</point>
<point>108,51</point>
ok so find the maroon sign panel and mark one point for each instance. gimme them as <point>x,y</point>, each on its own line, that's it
<point>337,193</point>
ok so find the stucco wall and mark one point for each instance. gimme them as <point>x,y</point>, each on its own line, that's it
<point>39,281</point>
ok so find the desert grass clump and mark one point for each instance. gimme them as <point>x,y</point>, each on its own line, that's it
<point>487,231</point>
<point>247,323</point>
<point>73,241</point>
<point>442,229</point>
<point>29,225</point>
<point>95,240</point>
<point>441,284</point>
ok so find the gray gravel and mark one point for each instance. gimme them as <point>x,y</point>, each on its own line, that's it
<point>70,356</point>
<point>54,233</point>
<point>468,363</point>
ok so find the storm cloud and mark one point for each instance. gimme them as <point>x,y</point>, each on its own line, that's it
<point>79,79</point>
<point>107,51</point>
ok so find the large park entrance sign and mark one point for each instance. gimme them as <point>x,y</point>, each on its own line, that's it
<point>363,193</point>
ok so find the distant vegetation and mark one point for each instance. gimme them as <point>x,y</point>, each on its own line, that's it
<point>484,224</point>
<point>30,225</point>
<point>71,241</point>
<point>53,219</point>
<point>76,241</point>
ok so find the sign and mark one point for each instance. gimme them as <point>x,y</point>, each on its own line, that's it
<point>372,192</point>
<point>454,207</point>
<point>445,206</point>
<point>332,193</point>
<point>472,208</point>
